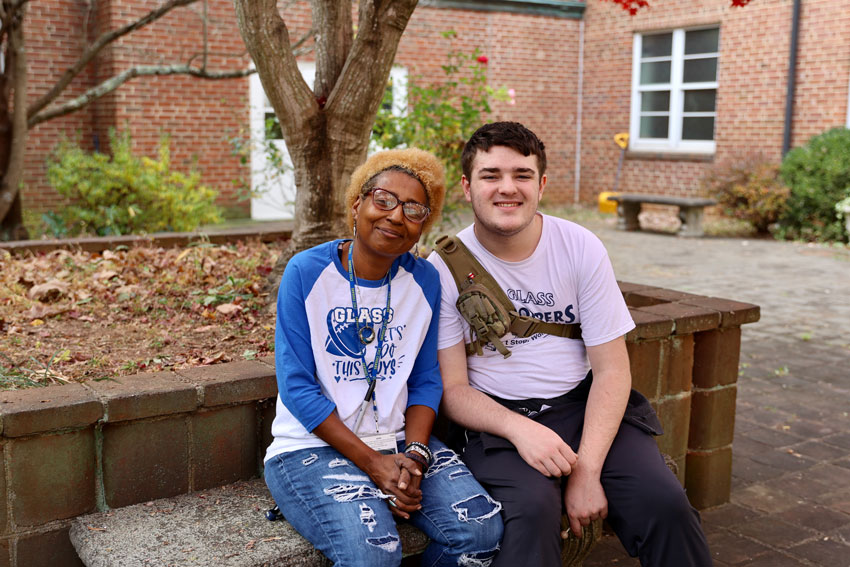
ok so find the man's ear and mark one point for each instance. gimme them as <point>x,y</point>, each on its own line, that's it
<point>542,186</point>
<point>464,182</point>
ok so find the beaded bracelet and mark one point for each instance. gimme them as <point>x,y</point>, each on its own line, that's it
<point>418,458</point>
<point>420,448</point>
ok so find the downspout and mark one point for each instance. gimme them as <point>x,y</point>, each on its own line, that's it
<point>792,77</point>
<point>577,175</point>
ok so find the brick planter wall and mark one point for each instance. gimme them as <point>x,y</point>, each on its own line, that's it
<point>73,449</point>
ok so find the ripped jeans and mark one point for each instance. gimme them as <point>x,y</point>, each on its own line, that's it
<point>335,506</point>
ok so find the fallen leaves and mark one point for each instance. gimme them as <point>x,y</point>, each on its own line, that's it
<point>48,291</point>
<point>76,315</point>
<point>228,308</point>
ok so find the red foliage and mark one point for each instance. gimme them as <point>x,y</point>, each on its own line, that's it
<point>632,6</point>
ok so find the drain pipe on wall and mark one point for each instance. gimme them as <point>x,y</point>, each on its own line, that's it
<point>577,175</point>
<point>792,77</point>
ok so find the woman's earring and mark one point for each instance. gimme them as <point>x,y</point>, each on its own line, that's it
<point>416,251</point>
<point>355,228</point>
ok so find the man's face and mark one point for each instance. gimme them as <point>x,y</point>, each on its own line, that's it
<point>504,189</point>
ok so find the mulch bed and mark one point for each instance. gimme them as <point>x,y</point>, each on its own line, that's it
<point>72,316</point>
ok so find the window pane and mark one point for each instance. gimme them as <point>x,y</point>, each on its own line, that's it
<point>657,45</point>
<point>701,41</point>
<point>699,70</point>
<point>655,101</point>
<point>654,126</point>
<point>651,73</point>
<point>700,101</point>
<point>273,131</point>
<point>698,128</point>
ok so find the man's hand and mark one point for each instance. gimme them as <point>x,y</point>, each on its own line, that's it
<point>542,448</point>
<point>584,499</point>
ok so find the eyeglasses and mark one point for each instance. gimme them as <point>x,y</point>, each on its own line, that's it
<point>387,201</point>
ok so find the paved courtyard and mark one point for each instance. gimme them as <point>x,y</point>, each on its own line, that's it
<point>790,504</point>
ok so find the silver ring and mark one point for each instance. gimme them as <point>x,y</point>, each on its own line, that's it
<point>392,502</point>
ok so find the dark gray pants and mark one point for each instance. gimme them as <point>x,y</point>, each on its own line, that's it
<point>647,507</point>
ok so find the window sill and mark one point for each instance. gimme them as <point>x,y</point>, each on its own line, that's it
<point>661,155</point>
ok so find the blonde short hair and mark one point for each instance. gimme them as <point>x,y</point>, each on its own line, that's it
<point>419,164</point>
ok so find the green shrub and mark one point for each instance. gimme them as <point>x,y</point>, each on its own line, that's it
<point>819,177</point>
<point>123,193</point>
<point>750,190</point>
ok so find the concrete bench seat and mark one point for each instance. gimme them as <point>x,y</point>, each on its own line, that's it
<point>690,210</point>
<point>222,527</point>
<point>225,527</point>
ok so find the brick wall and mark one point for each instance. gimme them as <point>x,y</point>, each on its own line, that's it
<point>752,82</point>
<point>533,54</point>
<point>73,449</point>
<point>198,115</point>
<point>57,43</point>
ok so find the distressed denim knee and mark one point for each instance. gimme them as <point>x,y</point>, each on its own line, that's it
<point>335,506</point>
<point>461,519</point>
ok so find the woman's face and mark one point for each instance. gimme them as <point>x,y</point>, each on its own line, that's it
<point>389,233</point>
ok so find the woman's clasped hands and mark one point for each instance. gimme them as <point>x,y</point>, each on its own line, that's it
<point>399,478</point>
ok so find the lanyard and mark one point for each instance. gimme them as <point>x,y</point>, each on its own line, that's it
<point>371,372</point>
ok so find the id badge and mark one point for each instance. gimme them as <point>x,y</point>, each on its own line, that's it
<point>381,442</point>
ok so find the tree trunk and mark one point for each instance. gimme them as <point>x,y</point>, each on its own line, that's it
<point>327,132</point>
<point>12,227</point>
<point>14,132</point>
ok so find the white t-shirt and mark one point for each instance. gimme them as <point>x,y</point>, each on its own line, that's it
<point>568,279</point>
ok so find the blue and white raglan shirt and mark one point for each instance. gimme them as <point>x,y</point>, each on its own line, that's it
<point>318,352</point>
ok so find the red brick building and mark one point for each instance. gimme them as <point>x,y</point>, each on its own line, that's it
<point>695,82</point>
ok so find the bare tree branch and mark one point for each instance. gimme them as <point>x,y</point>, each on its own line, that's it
<point>334,35</point>
<point>113,83</point>
<point>94,48</point>
<point>296,47</point>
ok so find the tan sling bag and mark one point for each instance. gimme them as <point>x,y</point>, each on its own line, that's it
<point>485,305</point>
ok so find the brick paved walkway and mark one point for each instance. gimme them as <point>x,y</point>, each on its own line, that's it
<point>790,503</point>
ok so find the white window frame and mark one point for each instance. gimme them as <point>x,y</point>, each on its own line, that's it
<point>398,77</point>
<point>674,142</point>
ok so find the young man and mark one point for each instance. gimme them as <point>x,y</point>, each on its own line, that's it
<point>542,434</point>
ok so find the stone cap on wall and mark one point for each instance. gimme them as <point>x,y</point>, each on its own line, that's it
<point>266,232</point>
<point>138,396</point>
<point>659,312</point>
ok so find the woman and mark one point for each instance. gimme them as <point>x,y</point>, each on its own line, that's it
<point>359,385</point>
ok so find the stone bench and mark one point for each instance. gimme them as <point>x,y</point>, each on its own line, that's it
<point>225,527</point>
<point>690,210</point>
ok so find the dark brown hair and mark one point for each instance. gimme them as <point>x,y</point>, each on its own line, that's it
<point>511,134</point>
